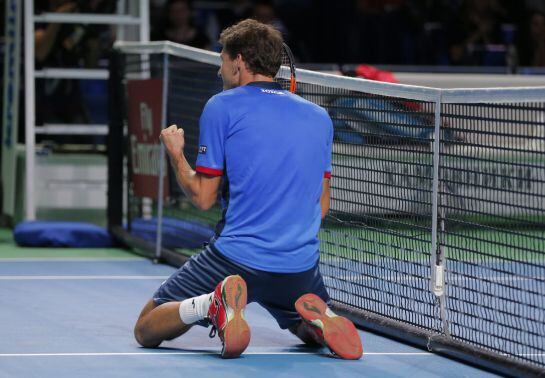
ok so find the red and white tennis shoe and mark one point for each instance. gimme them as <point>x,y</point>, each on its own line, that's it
<point>336,332</point>
<point>226,313</point>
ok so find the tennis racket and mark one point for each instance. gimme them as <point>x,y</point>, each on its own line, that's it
<point>286,74</point>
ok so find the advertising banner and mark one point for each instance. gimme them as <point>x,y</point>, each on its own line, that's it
<point>145,109</point>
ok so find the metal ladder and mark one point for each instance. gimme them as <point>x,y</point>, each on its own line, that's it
<point>124,17</point>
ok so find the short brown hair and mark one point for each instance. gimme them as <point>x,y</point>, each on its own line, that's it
<point>259,44</point>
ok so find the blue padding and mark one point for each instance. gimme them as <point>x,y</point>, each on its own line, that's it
<point>376,116</point>
<point>61,234</point>
<point>176,233</point>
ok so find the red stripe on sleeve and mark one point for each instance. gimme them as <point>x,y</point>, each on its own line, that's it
<point>209,171</point>
<point>327,175</point>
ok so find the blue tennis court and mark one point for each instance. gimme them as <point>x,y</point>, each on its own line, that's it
<point>72,314</point>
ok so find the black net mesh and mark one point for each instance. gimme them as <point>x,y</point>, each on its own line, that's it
<point>190,85</point>
<point>139,67</point>
<point>376,242</point>
<point>492,207</point>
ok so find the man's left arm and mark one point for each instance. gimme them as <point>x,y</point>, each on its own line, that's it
<point>325,198</point>
<point>200,188</point>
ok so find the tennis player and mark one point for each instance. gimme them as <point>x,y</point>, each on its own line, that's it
<point>273,150</point>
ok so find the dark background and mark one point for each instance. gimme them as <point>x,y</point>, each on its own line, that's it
<point>415,35</point>
<point>412,32</point>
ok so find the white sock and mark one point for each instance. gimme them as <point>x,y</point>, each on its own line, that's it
<point>194,309</point>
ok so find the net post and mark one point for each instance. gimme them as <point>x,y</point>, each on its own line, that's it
<point>145,73</point>
<point>162,157</point>
<point>437,273</point>
<point>116,114</point>
<point>30,111</point>
<point>437,259</point>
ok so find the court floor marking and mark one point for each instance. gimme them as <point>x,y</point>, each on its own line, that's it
<point>150,277</point>
<point>71,259</point>
<point>498,278</point>
<point>106,354</point>
<point>272,353</point>
<point>81,278</point>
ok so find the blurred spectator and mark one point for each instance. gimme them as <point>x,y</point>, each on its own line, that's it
<point>69,45</point>
<point>531,45</point>
<point>2,18</point>
<point>264,12</point>
<point>238,10</point>
<point>534,5</point>
<point>178,25</point>
<point>473,32</point>
<point>156,14</point>
<point>383,31</point>
<point>64,45</point>
<point>482,20</point>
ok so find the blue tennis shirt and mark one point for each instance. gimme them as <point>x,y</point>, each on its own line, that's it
<point>274,149</point>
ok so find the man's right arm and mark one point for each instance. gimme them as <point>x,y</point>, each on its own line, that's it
<point>201,189</point>
<point>201,185</point>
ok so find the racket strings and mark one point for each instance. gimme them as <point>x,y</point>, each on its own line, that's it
<point>286,74</point>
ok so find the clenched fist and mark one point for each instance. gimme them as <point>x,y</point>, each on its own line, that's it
<point>174,141</point>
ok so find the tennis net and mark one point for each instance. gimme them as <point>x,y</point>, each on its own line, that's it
<point>436,233</point>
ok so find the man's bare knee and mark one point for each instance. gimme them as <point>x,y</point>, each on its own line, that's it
<point>141,334</point>
<point>158,323</point>
<point>143,338</point>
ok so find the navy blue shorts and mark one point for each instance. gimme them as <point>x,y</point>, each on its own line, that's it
<point>276,292</point>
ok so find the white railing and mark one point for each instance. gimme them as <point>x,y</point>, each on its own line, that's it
<point>121,19</point>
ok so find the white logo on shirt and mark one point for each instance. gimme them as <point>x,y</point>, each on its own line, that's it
<point>273,91</point>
